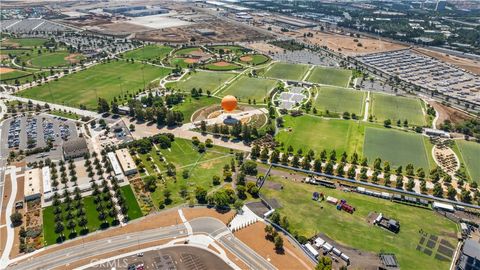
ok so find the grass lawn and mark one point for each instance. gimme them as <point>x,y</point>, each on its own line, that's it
<point>308,218</point>
<point>23,42</point>
<point>177,61</point>
<point>187,51</point>
<point>397,108</point>
<point>398,147</point>
<point>254,59</point>
<point>190,105</point>
<point>149,53</point>
<point>207,81</point>
<point>310,132</point>
<point>330,76</point>
<point>134,210</point>
<point>55,59</point>
<point>201,167</point>
<point>49,235</point>
<point>228,49</point>
<point>245,88</point>
<point>337,99</point>
<point>230,66</point>
<point>470,152</point>
<point>287,71</point>
<point>65,114</point>
<point>13,75</point>
<point>109,80</point>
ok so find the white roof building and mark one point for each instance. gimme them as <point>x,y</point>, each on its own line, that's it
<point>117,170</point>
<point>31,186</point>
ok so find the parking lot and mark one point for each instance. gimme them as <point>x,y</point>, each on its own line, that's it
<point>30,132</point>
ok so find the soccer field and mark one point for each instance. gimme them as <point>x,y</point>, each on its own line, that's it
<point>338,99</point>
<point>308,218</point>
<point>23,42</point>
<point>149,52</point>
<point>310,132</point>
<point>246,88</point>
<point>55,59</point>
<point>470,152</point>
<point>201,79</point>
<point>397,108</point>
<point>254,59</point>
<point>107,81</point>
<point>330,76</point>
<point>287,71</point>
<point>397,147</point>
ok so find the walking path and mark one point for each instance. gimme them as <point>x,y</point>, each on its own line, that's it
<point>4,260</point>
<point>367,105</point>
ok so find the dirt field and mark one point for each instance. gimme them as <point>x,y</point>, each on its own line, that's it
<point>448,113</point>
<point>246,58</point>
<point>292,258</point>
<point>467,64</point>
<point>72,58</point>
<point>192,213</point>
<point>221,64</point>
<point>190,60</point>
<point>264,47</point>
<point>349,45</point>
<point>4,70</point>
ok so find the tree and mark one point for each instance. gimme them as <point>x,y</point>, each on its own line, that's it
<point>451,193</point>
<point>325,263</point>
<point>16,219</point>
<point>201,194</point>
<point>103,105</point>
<point>238,204</point>
<point>216,180</point>
<point>249,167</point>
<point>278,240</point>
<point>387,123</point>
<point>437,190</point>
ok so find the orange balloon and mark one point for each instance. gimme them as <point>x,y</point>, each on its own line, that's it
<point>229,103</point>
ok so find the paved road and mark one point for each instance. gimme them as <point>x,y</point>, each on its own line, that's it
<point>52,105</point>
<point>204,225</point>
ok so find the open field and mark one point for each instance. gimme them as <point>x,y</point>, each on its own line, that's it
<point>337,99</point>
<point>190,105</point>
<point>12,74</point>
<point>330,76</point>
<point>308,218</point>
<point>55,59</point>
<point>470,152</point>
<point>397,108</point>
<point>134,210</point>
<point>23,42</point>
<point>310,132</point>
<point>398,147</point>
<point>207,81</point>
<point>201,168</point>
<point>347,45</point>
<point>287,71</point>
<point>149,53</point>
<point>246,88</point>
<point>107,81</point>
<point>254,59</point>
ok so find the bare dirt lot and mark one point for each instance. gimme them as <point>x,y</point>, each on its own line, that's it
<point>290,258</point>
<point>192,213</point>
<point>448,113</point>
<point>264,47</point>
<point>347,45</point>
<point>4,70</point>
<point>467,64</point>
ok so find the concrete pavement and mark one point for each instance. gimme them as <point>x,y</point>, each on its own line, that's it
<point>4,260</point>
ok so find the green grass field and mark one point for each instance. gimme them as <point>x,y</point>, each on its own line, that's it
<point>228,49</point>
<point>13,75</point>
<point>55,59</point>
<point>330,76</point>
<point>256,59</point>
<point>308,218</point>
<point>310,132</point>
<point>134,210</point>
<point>174,62</point>
<point>470,152</point>
<point>63,114</point>
<point>103,80</point>
<point>230,66</point>
<point>397,108</point>
<point>190,105</point>
<point>149,53</point>
<point>251,88</point>
<point>201,167</point>
<point>337,99</point>
<point>287,71</point>
<point>201,79</point>
<point>23,42</point>
<point>187,51</point>
<point>398,147</point>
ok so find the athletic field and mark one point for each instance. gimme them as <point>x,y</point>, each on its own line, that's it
<point>308,217</point>
<point>470,152</point>
<point>338,99</point>
<point>23,42</point>
<point>330,76</point>
<point>397,108</point>
<point>246,88</point>
<point>310,132</point>
<point>287,71</point>
<point>254,59</point>
<point>117,78</point>
<point>398,147</point>
<point>201,79</point>
<point>149,52</point>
